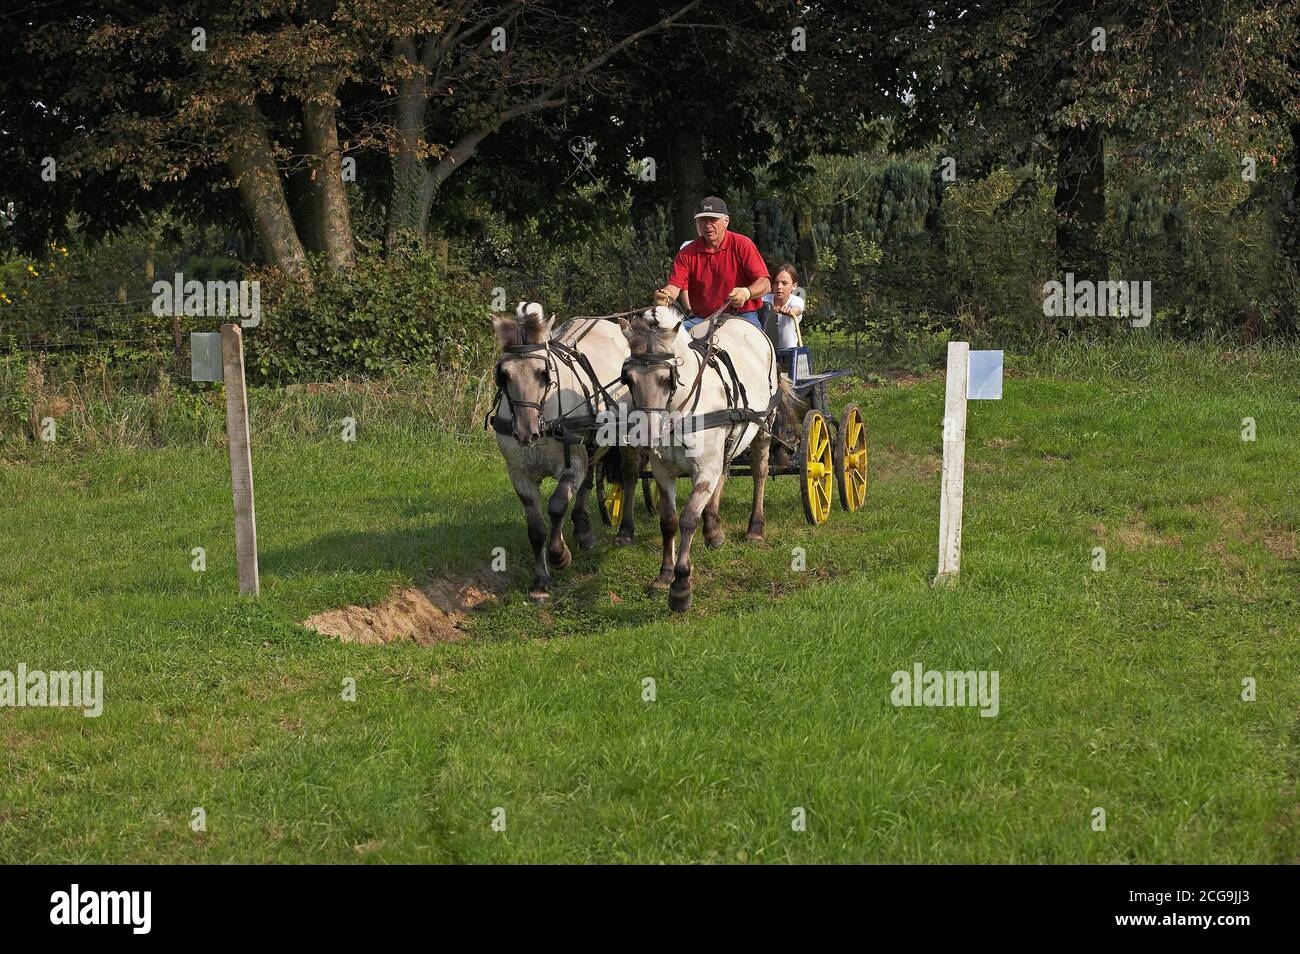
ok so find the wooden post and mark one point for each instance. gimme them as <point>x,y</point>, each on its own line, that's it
<point>954,462</point>
<point>241,458</point>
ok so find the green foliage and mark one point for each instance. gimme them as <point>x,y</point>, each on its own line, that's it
<point>382,314</point>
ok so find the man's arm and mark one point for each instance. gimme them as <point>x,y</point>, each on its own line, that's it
<point>677,277</point>
<point>755,271</point>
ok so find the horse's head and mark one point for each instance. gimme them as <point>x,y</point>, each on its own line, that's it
<point>523,372</point>
<point>652,372</point>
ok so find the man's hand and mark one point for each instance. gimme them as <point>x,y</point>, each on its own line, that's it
<point>663,296</point>
<point>738,297</point>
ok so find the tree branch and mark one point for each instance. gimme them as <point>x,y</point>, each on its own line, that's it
<point>464,150</point>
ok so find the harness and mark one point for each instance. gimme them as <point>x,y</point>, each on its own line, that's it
<point>736,416</point>
<point>570,427</point>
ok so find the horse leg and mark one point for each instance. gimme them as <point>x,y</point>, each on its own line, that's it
<point>557,551</point>
<point>582,530</point>
<point>679,594</point>
<point>529,493</point>
<point>631,461</point>
<point>713,535</point>
<point>758,457</point>
<point>667,527</point>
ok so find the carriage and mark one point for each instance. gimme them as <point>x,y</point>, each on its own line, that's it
<point>828,453</point>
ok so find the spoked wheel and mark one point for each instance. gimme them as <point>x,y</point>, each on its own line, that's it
<point>609,495</point>
<point>851,458</point>
<point>816,468</point>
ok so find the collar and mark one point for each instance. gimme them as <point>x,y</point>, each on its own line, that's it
<point>707,250</point>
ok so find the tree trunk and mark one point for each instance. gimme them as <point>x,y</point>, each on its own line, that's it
<point>1081,202</point>
<point>412,198</point>
<point>252,163</point>
<point>686,174</point>
<point>329,199</point>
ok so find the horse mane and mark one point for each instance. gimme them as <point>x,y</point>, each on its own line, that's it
<point>528,326</point>
<point>654,330</point>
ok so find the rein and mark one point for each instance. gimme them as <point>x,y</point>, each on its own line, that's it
<point>710,356</point>
<point>554,352</point>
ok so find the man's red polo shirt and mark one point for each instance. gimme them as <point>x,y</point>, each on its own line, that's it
<point>709,274</point>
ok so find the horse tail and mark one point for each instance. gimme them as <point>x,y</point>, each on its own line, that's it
<point>788,400</point>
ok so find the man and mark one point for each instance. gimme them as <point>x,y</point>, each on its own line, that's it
<point>720,267</point>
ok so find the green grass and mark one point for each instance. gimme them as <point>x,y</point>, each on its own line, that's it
<point>1119,689</point>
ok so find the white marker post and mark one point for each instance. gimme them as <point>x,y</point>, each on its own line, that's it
<point>974,375</point>
<point>241,458</point>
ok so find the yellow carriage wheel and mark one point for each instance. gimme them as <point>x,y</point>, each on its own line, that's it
<point>816,468</point>
<point>851,458</point>
<point>609,496</point>
<point>613,501</point>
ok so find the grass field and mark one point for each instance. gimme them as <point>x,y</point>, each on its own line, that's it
<point>1119,689</point>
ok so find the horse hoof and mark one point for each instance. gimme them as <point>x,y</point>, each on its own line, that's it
<point>714,542</point>
<point>662,581</point>
<point>539,596</point>
<point>586,540</point>
<point>754,536</point>
<point>679,601</point>
<point>561,561</point>
<point>623,540</point>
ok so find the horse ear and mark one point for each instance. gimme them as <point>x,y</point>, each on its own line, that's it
<point>677,326</point>
<point>625,325</point>
<point>505,329</point>
<point>546,328</point>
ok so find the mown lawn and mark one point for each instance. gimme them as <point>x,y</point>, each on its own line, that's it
<point>1119,689</point>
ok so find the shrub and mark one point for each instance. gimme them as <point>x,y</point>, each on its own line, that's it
<point>379,316</point>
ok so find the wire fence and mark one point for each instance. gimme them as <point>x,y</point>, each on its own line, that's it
<point>124,340</point>
<point>125,335</point>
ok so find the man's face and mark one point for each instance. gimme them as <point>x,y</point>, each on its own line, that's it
<point>712,229</point>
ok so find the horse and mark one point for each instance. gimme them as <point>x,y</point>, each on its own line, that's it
<point>719,393</point>
<point>550,392</point>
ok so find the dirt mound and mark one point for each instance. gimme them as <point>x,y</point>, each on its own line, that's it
<point>428,614</point>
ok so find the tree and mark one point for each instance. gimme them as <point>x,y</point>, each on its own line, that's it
<point>1012,82</point>
<point>269,99</point>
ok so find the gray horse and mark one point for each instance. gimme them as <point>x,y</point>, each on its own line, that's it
<point>550,391</point>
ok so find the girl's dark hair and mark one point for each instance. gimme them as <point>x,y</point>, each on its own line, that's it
<point>787,267</point>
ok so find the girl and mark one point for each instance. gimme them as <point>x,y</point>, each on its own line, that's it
<point>788,306</point>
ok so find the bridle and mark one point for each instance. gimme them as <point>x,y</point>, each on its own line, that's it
<point>571,426</point>
<point>540,351</point>
<point>737,413</point>
<point>654,359</point>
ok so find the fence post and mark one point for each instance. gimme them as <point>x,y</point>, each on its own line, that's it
<point>241,458</point>
<point>954,462</point>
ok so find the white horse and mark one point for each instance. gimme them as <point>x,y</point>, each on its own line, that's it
<point>720,415</point>
<point>543,422</point>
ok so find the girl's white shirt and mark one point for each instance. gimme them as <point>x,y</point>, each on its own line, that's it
<point>787,336</point>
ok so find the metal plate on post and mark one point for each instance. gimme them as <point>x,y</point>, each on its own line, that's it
<point>205,356</point>
<point>984,382</point>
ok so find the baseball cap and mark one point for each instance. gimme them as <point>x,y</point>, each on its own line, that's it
<point>711,207</point>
